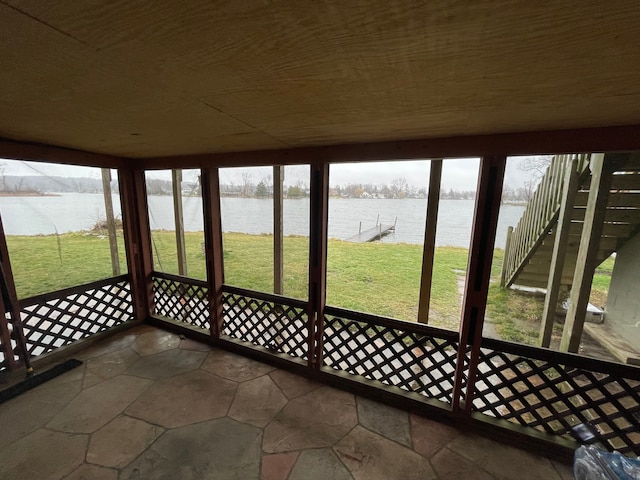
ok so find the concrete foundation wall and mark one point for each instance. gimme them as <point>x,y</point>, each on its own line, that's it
<point>623,304</point>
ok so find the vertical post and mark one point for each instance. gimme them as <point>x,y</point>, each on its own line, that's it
<point>278,223</point>
<point>587,253</point>
<point>210,187</point>
<point>176,183</point>
<point>485,222</point>
<point>505,259</point>
<point>319,216</point>
<point>111,221</point>
<point>5,337</point>
<point>137,239</point>
<point>428,250</point>
<point>569,191</point>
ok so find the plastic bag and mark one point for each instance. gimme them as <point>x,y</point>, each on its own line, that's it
<point>591,463</point>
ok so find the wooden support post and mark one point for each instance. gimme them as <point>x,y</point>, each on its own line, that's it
<point>428,249</point>
<point>210,188</point>
<point>137,239</point>
<point>587,254</point>
<point>6,349</point>
<point>176,183</point>
<point>319,216</point>
<point>111,221</point>
<point>5,337</point>
<point>569,192</point>
<point>505,259</point>
<point>278,225</point>
<point>485,222</point>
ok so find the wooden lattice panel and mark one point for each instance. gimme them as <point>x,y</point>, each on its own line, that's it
<point>59,318</point>
<point>181,299</point>
<point>560,399</point>
<point>411,360</point>
<point>280,326</point>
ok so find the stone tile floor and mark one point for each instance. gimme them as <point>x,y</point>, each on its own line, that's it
<point>147,405</point>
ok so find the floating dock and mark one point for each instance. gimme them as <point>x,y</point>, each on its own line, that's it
<point>373,233</point>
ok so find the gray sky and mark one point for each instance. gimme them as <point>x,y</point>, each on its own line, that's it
<point>19,167</point>
<point>459,174</point>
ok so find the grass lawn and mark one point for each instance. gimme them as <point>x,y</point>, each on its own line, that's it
<point>46,263</point>
<point>379,278</point>
<point>517,315</point>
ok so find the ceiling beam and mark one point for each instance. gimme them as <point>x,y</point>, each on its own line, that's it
<point>10,149</point>
<point>604,139</point>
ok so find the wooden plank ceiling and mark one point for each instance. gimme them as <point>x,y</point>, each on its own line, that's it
<point>145,79</point>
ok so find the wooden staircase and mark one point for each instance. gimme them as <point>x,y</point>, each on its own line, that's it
<point>528,253</point>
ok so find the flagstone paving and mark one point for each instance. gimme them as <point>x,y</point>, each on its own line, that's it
<point>146,404</point>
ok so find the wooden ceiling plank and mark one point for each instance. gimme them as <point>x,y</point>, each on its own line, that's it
<point>306,74</point>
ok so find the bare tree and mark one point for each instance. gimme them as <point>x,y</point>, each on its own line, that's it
<point>535,167</point>
<point>399,187</point>
<point>247,184</point>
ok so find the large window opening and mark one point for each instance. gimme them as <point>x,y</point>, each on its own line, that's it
<point>265,223</point>
<point>379,238</point>
<point>176,222</point>
<point>63,225</point>
<point>566,278</point>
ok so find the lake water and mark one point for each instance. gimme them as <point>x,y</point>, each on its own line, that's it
<point>75,211</point>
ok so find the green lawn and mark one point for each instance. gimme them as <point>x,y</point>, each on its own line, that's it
<point>379,278</point>
<point>517,315</point>
<point>45,263</point>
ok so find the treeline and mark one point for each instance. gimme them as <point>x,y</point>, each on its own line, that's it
<point>263,189</point>
<point>51,184</point>
<point>518,195</point>
<point>397,189</point>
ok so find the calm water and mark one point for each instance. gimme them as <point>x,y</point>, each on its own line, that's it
<point>75,211</point>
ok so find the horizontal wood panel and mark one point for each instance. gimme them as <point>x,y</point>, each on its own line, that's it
<point>631,200</point>
<point>625,215</point>
<point>626,182</point>
<point>172,81</point>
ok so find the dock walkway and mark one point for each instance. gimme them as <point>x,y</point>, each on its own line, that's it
<point>373,233</point>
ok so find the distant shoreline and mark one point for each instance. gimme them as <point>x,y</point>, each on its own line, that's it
<point>28,194</point>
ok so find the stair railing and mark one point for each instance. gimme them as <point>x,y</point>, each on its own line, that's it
<point>539,216</point>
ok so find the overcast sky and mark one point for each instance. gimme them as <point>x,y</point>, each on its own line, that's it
<point>459,174</point>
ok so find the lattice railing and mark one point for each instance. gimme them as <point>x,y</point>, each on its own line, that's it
<point>557,393</point>
<point>413,357</point>
<point>182,299</point>
<point>59,318</point>
<point>270,321</point>
<point>561,394</point>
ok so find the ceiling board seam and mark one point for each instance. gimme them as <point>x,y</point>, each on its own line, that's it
<point>244,123</point>
<point>42,22</point>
